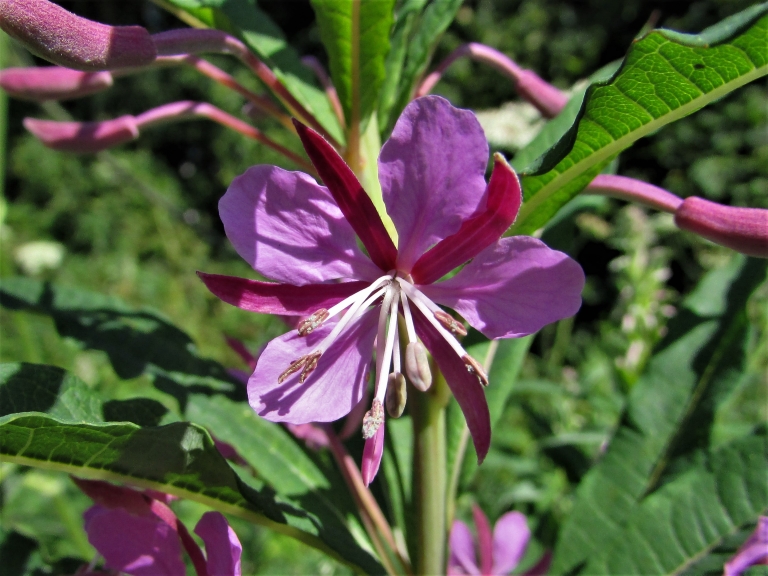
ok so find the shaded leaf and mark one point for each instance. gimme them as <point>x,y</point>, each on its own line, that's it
<point>421,43</point>
<point>668,417</point>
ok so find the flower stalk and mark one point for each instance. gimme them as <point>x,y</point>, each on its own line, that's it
<point>429,479</point>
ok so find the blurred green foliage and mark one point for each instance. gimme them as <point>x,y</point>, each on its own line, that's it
<point>136,222</point>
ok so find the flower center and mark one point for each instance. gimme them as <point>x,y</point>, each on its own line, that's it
<point>389,292</point>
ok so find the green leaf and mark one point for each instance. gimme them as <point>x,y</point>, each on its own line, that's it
<point>664,77</point>
<point>669,413</point>
<point>676,528</point>
<point>356,36</point>
<point>405,19</point>
<point>178,458</point>
<point>243,18</point>
<point>421,42</point>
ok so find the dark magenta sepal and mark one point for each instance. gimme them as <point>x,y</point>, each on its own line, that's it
<point>352,199</point>
<point>276,298</point>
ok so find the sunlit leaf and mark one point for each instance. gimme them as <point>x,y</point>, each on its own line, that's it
<point>664,77</point>
<point>178,458</point>
<point>356,35</point>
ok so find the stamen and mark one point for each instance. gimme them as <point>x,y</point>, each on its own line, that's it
<point>408,318</point>
<point>358,296</point>
<point>428,308</point>
<point>396,395</point>
<point>306,364</point>
<point>417,366</point>
<point>450,323</point>
<point>353,313</point>
<point>388,308</point>
<point>373,419</point>
<point>474,367</point>
<point>308,325</point>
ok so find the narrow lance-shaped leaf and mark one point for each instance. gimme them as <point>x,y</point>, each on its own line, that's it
<point>356,36</point>
<point>668,415</point>
<point>427,31</point>
<point>61,429</point>
<point>664,77</point>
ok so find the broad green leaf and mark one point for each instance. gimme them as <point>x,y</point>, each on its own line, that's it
<point>676,528</point>
<point>668,415</point>
<point>356,36</point>
<point>178,458</point>
<point>425,35</point>
<point>244,19</point>
<point>664,77</point>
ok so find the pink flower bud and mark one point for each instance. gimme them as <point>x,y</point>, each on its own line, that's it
<point>52,83</point>
<point>742,229</point>
<point>546,98</point>
<point>83,136</point>
<point>69,40</point>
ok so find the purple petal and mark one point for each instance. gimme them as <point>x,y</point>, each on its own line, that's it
<point>330,391</point>
<point>465,386</point>
<point>754,551</point>
<point>541,567</point>
<point>222,547</point>
<point>374,449</point>
<point>504,197</point>
<point>510,538</point>
<point>462,559</point>
<point>485,543</point>
<point>290,229</point>
<point>274,298</point>
<point>137,545</point>
<point>353,201</point>
<point>513,288</point>
<point>432,173</point>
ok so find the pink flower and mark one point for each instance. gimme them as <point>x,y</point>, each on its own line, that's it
<point>500,553</point>
<point>753,552</point>
<point>138,534</point>
<point>305,237</point>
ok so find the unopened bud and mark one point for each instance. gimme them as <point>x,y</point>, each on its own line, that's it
<point>63,38</point>
<point>45,83</point>
<point>742,229</point>
<point>546,98</point>
<point>83,136</point>
<point>396,395</point>
<point>417,366</point>
<point>373,419</point>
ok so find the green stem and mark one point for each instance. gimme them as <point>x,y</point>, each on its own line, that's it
<point>429,461</point>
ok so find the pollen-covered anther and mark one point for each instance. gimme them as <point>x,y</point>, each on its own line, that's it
<point>306,364</point>
<point>308,325</point>
<point>450,323</point>
<point>373,419</point>
<point>474,367</point>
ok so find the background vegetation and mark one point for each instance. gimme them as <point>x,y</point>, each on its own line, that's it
<point>137,221</point>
